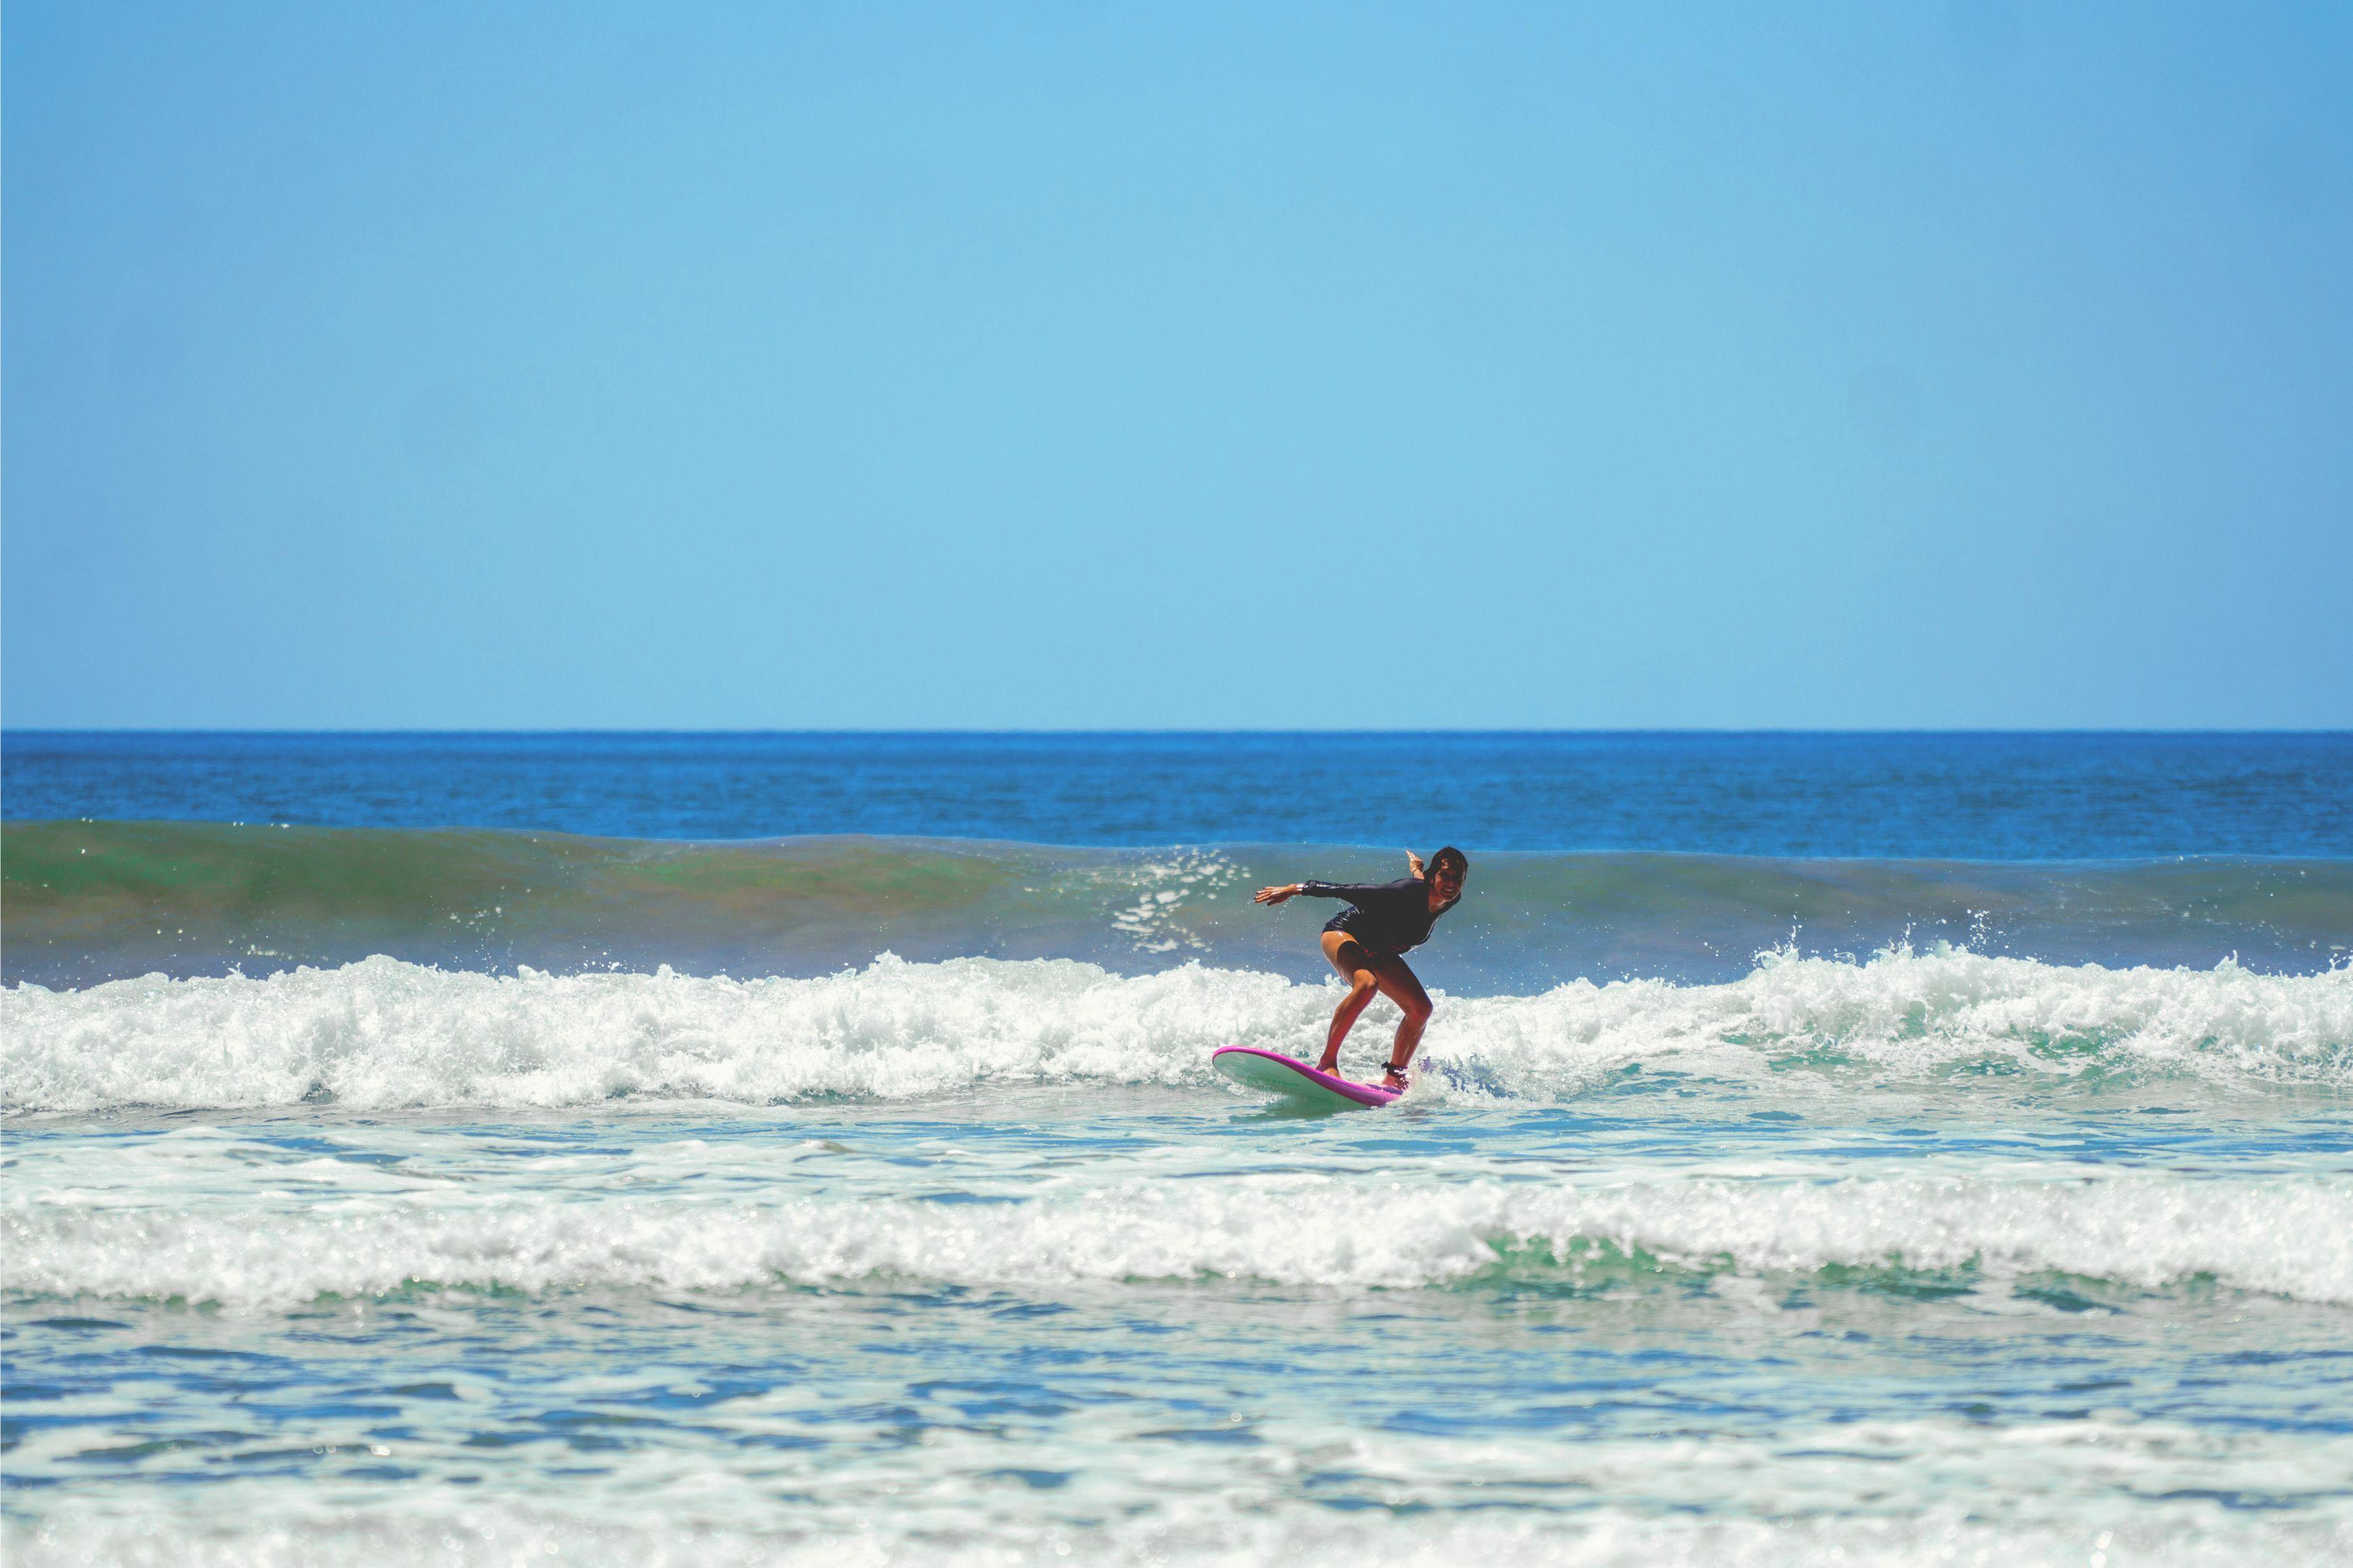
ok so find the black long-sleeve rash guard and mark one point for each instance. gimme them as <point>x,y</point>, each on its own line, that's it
<point>1387,916</point>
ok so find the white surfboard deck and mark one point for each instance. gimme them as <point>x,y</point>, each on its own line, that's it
<point>1296,1081</point>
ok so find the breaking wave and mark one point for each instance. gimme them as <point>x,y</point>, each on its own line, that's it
<point>2288,1236</point>
<point>383,1033</point>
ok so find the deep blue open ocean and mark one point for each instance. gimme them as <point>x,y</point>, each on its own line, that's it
<point>464,1149</point>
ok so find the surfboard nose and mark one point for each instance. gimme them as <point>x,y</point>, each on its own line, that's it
<point>1274,1073</point>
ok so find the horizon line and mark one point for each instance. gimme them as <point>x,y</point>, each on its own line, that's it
<point>1110,731</point>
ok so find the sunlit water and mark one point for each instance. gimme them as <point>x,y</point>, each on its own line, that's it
<point>1148,1325</point>
<point>2030,1244</point>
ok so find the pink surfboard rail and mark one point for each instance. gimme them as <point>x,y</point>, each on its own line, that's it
<point>1289,1076</point>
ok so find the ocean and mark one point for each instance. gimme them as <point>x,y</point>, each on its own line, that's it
<point>733,1149</point>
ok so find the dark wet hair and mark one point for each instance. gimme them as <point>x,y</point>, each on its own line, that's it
<point>1450,856</point>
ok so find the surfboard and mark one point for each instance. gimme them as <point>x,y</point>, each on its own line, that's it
<point>1295,1081</point>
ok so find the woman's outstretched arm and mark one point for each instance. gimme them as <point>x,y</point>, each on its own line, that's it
<point>1351,891</point>
<point>1354,892</point>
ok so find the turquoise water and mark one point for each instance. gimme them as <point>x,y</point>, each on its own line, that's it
<point>1746,1207</point>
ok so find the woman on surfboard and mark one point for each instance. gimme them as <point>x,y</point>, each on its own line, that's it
<point>1364,943</point>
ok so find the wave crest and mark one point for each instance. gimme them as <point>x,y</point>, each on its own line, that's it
<point>1918,1015</point>
<point>382,1033</point>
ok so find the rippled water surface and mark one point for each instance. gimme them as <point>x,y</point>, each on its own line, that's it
<point>379,1194</point>
<point>1149,1322</point>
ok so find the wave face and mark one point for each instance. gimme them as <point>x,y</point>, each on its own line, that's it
<point>383,1033</point>
<point>85,902</point>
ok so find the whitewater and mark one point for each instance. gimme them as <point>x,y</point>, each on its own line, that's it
<point>382,1033</point>
<point>782,1150</point>
<point>974,1261</point>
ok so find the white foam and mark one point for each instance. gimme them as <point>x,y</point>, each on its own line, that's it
<point>2291,1235</point>
<point>1927,1014</point>
<point>383,1033</point>
<point>2155,1535</point>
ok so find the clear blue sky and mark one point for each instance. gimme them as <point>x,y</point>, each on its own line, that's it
<point>1135,366</point>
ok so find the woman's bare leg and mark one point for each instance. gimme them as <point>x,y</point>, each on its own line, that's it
<point>1366,974</point>
<point>1356,966</point>
<point>1400,986</point>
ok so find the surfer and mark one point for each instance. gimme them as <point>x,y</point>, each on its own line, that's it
<point>1364,943</point>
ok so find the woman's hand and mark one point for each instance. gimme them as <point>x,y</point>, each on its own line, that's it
<point>1274,895</point>
<point>1413,863</point>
